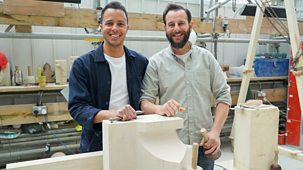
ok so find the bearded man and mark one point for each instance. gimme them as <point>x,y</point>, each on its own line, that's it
<point>186,77</point>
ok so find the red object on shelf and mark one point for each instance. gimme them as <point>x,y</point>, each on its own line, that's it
<point>3,61</point>
<point>293,124</point>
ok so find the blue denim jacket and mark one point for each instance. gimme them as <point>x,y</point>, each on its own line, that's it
<point>89,91</point>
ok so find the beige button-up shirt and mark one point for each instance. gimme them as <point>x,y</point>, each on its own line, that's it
<point>192,83</point>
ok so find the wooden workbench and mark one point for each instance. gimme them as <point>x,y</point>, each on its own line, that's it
<point>32,88</point>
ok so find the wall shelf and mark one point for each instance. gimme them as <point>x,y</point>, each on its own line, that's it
<point>32,88</point>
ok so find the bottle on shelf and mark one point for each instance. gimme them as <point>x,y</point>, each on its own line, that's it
<point>18,76</point>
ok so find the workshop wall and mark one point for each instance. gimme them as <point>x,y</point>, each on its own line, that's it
<point>37,52</point>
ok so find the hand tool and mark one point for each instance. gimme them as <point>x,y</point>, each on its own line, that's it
<point>210,156</point>
<point>112,119</point>
<point>275,165</point>
<point>195,150</point>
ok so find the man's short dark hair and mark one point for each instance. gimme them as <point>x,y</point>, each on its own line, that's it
<point>113,5</point>
<point>175,7</point>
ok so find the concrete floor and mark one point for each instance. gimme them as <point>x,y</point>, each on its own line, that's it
<point>224,162</point>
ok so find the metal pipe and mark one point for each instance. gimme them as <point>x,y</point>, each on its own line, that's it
<point>42,137</point>
<point>17,154</point>
<point>215,35</point>
<point>57,131</point>
<point>236,40</point>
<point>202,10</point>
<point>210,4</point>
<point>128,38</point>
<point>31,143</point>
<point>218,5</point>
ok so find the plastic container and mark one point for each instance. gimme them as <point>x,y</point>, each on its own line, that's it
<point>267,67</point>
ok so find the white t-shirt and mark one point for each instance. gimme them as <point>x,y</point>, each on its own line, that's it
<point>119,93</point>
<point>184,56</point>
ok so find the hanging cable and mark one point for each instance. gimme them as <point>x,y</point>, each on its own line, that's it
<point>56,137</point>
<point>275,27</point>
<point>271,11</point>
<point>263,11</point>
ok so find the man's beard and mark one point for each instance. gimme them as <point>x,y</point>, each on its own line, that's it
<point>181,43</point>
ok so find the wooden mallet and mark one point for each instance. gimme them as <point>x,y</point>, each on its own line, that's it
<point>275,165</point>
<point>209,156</point>
<point>195,150</point>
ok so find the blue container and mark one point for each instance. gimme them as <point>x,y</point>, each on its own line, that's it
<point>266,67</point>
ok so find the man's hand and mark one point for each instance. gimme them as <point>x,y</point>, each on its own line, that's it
<point>126,113</point>
<point>212,146</point>
<point>170,108</point>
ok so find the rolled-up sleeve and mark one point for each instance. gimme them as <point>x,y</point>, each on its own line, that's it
<point>220,88</point>
<point>150,83</point>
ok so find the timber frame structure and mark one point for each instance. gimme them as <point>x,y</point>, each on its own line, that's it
<point>87,18</point>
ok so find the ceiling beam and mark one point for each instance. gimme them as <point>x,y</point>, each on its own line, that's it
<point>87,18</point>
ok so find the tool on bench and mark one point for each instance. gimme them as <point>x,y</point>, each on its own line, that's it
<point>209,156</point>
<point>275,165</point>
<point>112,119</point>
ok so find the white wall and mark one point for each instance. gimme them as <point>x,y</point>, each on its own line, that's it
<point>36,52</point>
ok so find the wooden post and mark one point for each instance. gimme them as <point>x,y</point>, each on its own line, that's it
<point>250,58</point>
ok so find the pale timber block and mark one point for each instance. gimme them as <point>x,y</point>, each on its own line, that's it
<point>150,142</point>
<point>256,137</point>
<point>5,76</point>
<point>83,161</point>
<point>23,28</point>
<point>61,72</point>
<point>71,60</point>
<point>33,7</point>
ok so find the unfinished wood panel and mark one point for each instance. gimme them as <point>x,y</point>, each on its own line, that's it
<point>22,114</point>
<point>23,28</point>
<point>152,22</point>
<point>276,95</point>
<point>33,7</point>
<point>244,26</point>
<point>147,22</point>
<point>87,161</point>
<point>84,18</point>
